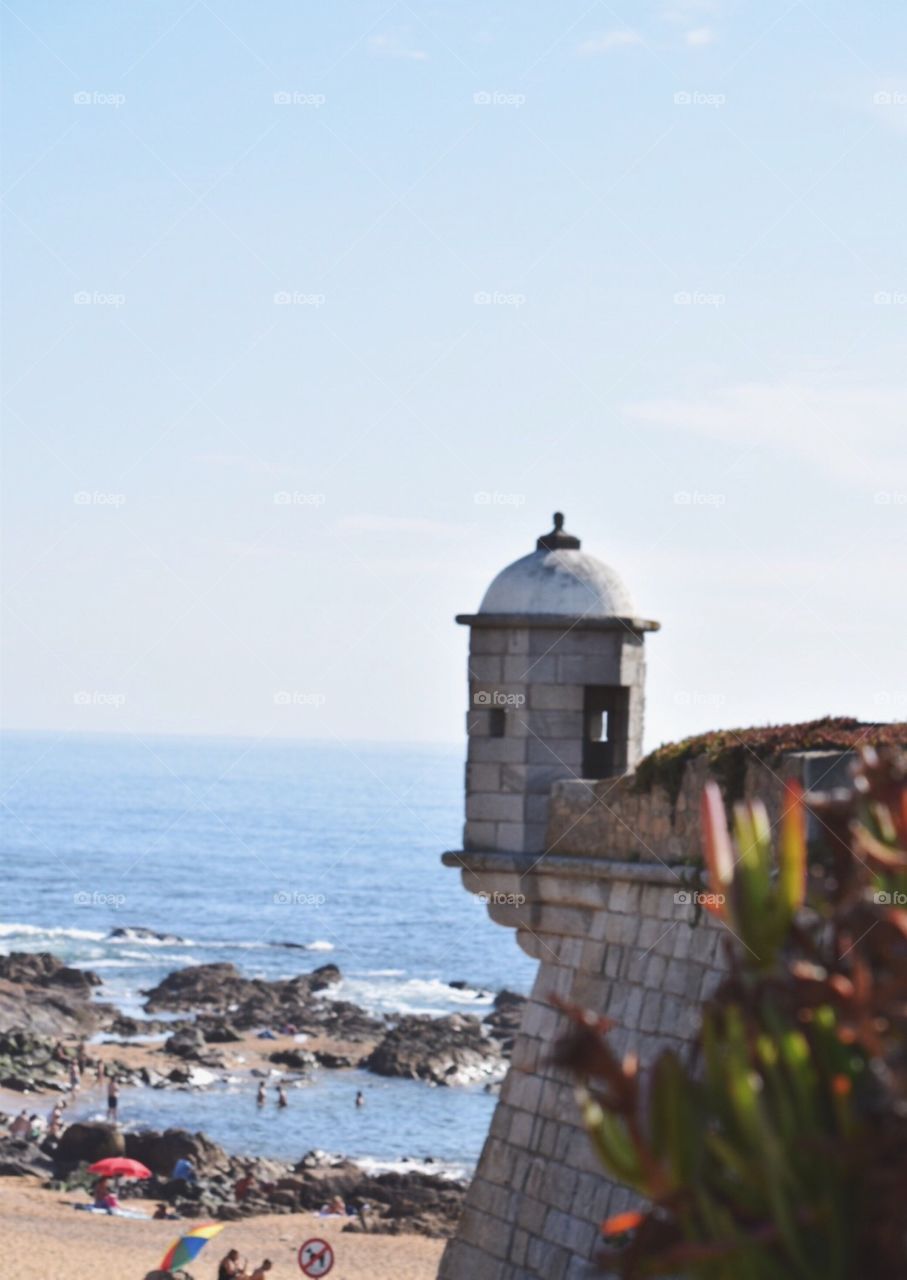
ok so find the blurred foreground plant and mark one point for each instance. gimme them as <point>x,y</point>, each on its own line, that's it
<point>780,1149</point>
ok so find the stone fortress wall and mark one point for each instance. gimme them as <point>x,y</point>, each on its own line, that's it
<point>605,911</point>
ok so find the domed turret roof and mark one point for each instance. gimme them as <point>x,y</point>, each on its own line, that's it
<point>558,578</point>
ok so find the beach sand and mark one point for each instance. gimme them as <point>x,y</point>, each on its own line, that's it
<point>44,1238</point>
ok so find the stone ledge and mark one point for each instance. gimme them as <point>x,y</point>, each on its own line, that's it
<point>560,864</point>
<point>559,621</point>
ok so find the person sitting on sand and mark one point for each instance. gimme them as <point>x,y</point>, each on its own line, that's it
<point>162,1211</point>
<point>20,1126</point>
<point>36,1127</point>
<point>104,1197</point>
<point>244,1186</point>
<point>260,1271</point>
<point>230,1267</point>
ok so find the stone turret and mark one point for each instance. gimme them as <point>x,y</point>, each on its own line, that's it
<point>556,688</point>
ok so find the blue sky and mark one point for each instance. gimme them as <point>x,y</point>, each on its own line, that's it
<point>292,289</point>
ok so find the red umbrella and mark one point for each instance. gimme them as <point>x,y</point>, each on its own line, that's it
<point>119,1167</point>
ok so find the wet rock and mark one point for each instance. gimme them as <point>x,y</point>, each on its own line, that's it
<point>452,1050</point>
<point>137,933</point>
<point>188,1043</point>
<point>503,1022</point>
<point>295,1059</point>
<point>84,1143</point>
<point>160,1151</point>
<point>41,969</point>
<point>218,1031</point>
<point>250,1002</point>
<point>20,1157</point>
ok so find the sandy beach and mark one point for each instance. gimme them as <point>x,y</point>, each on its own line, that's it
<point>46,1239</point>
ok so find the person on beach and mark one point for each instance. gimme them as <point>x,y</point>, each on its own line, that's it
<point>99,1073</point>
<point>20,1126</point>
<point>82,1056</point>
<point>360,1098</point>
<point>262,1096</point>
<point>183,1170</point>
<point>260,1271</point>
<point>36,1127</point>
<point>75,1077</point>
<point>244,1186</point>
<point>230,1267</point>
<point>281,1096</point>
<point>113,1101</point>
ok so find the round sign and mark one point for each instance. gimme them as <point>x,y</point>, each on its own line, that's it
<point>316,1257</point>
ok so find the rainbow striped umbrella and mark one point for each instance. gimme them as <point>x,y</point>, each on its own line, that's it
<point>189,1246</point>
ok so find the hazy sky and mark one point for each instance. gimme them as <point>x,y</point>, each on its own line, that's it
<point>316,312</point>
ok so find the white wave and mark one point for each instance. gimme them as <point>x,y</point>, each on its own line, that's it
<point>413,995</point>
<point>320,944</point>
<point>35,931</point>
<point>452,1170</point>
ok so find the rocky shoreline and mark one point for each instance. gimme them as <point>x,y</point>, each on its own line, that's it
<point>280,1029</point>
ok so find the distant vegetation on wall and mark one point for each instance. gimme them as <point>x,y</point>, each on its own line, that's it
<point>730,750</point>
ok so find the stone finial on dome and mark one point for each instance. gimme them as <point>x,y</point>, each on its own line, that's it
<point>558,539</point>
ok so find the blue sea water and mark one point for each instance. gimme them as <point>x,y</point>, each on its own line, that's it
<point>238,846</point>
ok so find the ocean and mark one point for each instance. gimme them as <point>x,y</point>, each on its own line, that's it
<point>236,847</point>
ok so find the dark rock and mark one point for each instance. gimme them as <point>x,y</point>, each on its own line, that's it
<point>84,1143</point>
<point>40,969</point>
<point>503,1022</point>
<point>136,933</point>
<point>20,1157</point>
<point>218,1031</point>
<point>160,1151</point>
<point>296,1059</point>
<point>188,1043</point>
<point>251,1002</point>
<point>336,1060</point>
<point>451,1050</point>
